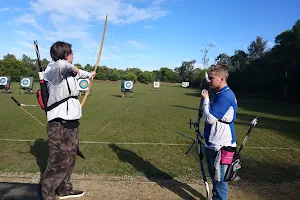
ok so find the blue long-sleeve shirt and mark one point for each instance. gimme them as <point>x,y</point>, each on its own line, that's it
<point>222,107</point>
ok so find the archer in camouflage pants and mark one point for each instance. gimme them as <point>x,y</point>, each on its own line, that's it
<point>63,144</point>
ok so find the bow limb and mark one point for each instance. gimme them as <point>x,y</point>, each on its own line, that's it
<point>200,110</point>
<point>200,153</point>
<point>96,65</point>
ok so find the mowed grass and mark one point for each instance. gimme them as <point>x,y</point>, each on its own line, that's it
<point>135,136</point>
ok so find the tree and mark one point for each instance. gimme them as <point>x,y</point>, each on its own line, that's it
<point>114,76</point>
<point>78,65</point>
<point>28,62</point>
<point>14,68</point>
<point>224,58</point>
<point>44,63</point>
<point>205,51</point>
<point>131,76</point>
<point>9,57</point>
<point>146,77</point>
<point>185,71</point>
<point>239,59</point>
<point>88,67</point>
<point>286,54</point>
<point>157,74</point>
<point>168,75</point>
<point>257,48</point>
<point>136,71</point>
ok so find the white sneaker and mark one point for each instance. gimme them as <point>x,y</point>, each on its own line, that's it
<point>71,194</point>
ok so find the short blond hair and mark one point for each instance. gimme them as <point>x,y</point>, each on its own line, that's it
<point>221,70</point>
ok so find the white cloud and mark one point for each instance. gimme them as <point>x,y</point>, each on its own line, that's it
<point>27,48</point>
<point>4,9</point>
<point>27,35</point>
<point>136,44</point>
<point>114,47</point>
<point>142,56</point>
<point>28,19</point>
<point>148,27</point>
<point>73,20</point>
<point>111,56</point>
<point>19,51</point>
<point>26,44</point>
<point>270,44</point>
<point>198,65</point>
<point>17,9</point>
<point>119,12</point>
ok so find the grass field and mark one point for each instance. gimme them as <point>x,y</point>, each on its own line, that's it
<point>134,136</point>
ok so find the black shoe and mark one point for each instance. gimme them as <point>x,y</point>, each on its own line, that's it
<point>71,194</point>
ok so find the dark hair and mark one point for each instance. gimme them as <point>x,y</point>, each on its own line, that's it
<point>60,50</point>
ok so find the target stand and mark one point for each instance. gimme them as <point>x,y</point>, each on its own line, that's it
<point>5,84</point>
<point>26,84</point>
<point>126,86</point>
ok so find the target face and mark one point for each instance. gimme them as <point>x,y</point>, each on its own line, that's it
<point>156,84</point>
<point>25,82</point>
<point>83,84</point>
<point>3,80</point>
<point>128,85</point>
<point>185,84</point>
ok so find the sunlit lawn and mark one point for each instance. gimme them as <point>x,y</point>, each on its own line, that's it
<point>111,122</point>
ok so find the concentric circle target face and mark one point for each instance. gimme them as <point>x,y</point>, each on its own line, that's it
<point>128,85</point>
<point>185,84</point>
<point>3,80</point>
<point>156,84</point>
<point>83,84</point>
<point>25,82</point>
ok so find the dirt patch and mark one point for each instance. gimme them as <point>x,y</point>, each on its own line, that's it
<point>127,187</point>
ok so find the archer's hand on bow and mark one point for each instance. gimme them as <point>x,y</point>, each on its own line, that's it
<point>93,74</point>
<point>204,94</point>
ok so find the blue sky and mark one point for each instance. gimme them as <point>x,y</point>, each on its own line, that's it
<point>147,34</point>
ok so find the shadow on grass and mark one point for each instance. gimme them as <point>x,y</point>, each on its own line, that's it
<point>20,191</point>
<point>280,108</point>
<point>194,94</point>
<point>256,104</point>
<point>40,151</point>
<point>271,165</point>
<point>114,95</point>
<point>185,107</point>
<point>263,171</point>
<point>154,174</point>
<point>284,127</point>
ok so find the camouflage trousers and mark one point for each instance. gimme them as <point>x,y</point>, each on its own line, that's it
<point>63,144</point>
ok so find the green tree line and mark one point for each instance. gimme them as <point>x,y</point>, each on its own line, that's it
<point>267,72</point>
<point>260,70</point>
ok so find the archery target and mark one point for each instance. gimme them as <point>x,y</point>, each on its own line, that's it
<point>83,84</point>
<point>25,82</point>
<point>3,80</point>
<point>156,84</point>
<point>128,85</point>
<point>185,84</point>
